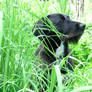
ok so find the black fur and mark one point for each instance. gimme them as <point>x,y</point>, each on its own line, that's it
<point>43,29</point>
<point>64,31</point>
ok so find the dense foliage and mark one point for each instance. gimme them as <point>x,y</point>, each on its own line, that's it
<point>18,45</point>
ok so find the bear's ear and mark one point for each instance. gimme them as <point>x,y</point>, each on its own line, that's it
<point>41,29</point>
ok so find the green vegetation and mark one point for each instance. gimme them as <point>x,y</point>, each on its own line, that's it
<point>18,45</point>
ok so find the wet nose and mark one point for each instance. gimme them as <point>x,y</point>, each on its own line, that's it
<point>82,26</point>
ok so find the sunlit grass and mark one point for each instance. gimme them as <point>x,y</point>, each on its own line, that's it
<point>18,45</point>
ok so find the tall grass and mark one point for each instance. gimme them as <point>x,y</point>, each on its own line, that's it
<point>16,50</point>
<point>18,45</point>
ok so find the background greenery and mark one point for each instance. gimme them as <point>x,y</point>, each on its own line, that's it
<point>17,47</point>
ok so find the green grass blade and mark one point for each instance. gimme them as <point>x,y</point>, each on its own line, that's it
<point>85,88</point>
<point>59,78</point>
<point>53,80</point>
<point>1,30</point>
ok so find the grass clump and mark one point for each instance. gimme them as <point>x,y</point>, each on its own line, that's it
<point>18,45</point>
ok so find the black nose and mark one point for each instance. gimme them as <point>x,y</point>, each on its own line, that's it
<point>82,26</point>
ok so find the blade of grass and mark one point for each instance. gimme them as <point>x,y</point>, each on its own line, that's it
<point>85,88</point>
<point>59,78</point>
<point>6,69</point>
<point>1,30</point>
<point>53,80</point>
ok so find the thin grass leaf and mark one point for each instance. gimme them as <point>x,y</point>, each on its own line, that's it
<point>1,27</point>
<point>85,88</point>
<point>59,78</point>
<point>53,80</point>
<point>27,89</point>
